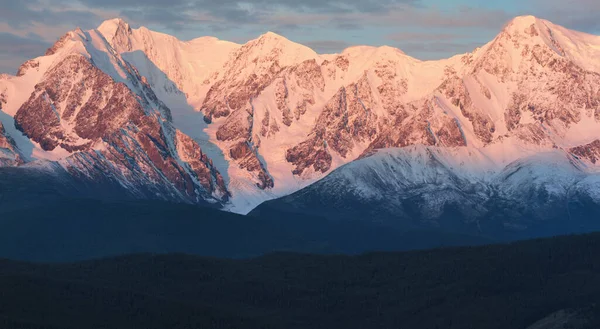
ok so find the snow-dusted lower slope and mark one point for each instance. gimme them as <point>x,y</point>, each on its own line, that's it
<point>455,189</point>
<point>272,116</point>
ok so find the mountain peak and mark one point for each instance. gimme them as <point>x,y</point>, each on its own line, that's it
<point>289,52</point>
<point>111,26</point>
<point>521,23</point>
<point>114,22</point>
<point>268,39</point>
<point>391,50</point>
<point>117,32</point>
<point>524,20</point>
<point>272,37</point>
<point>535,31</point>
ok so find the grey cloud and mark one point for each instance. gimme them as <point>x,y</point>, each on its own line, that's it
<point>16,50</point>
<point>409,17</point>
<point>287,27</point>
<point>581,15</point>
<point>216,28</point>
<point>235,13</point>
<point>345,24</point>
<point>327,6</point>
<point>178,15</point>
<point>31,46</point>
<point>423,36</point>
<point>432,50</point>
<point>22,14</point>
<point>242,11</point>
<point>327,46</point>
<point>168,19</point>
<point>464,17</point>
<point>133,3</point>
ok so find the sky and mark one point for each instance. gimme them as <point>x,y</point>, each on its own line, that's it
<point>425,29</point>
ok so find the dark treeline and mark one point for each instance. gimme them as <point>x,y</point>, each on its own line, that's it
<point>65,229</point>
<point>502,286</point>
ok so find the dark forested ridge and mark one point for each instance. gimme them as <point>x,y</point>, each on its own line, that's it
<point>543,284</point>
<point>540,284</point>
<point>66,229</point>
<point>51,218</point>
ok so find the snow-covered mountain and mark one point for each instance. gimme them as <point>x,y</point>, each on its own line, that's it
<point>429,187</point>
<point>240,124</point>
<point>82,105</point>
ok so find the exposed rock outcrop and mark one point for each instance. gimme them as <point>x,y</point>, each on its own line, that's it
<point>9,154</point>
<point>589,152</point>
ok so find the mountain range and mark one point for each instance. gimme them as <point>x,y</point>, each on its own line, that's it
<point>500,139</point>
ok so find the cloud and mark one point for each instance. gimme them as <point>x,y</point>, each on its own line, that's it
<point>227,6</point>
<point>25,14</point>
<point>30,46</point>
<point>179,13</point>
<point>581,15</point>
<point>188,15</point>
<point>16,50</point>
<point>423,36</point>
<point>327,46</point>
<point>428,45</point>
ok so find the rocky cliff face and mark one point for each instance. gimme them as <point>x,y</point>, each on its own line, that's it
<point>9,154</point>
<point>75,106</point>
<point>589,152</point>
<point>113,127</point>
